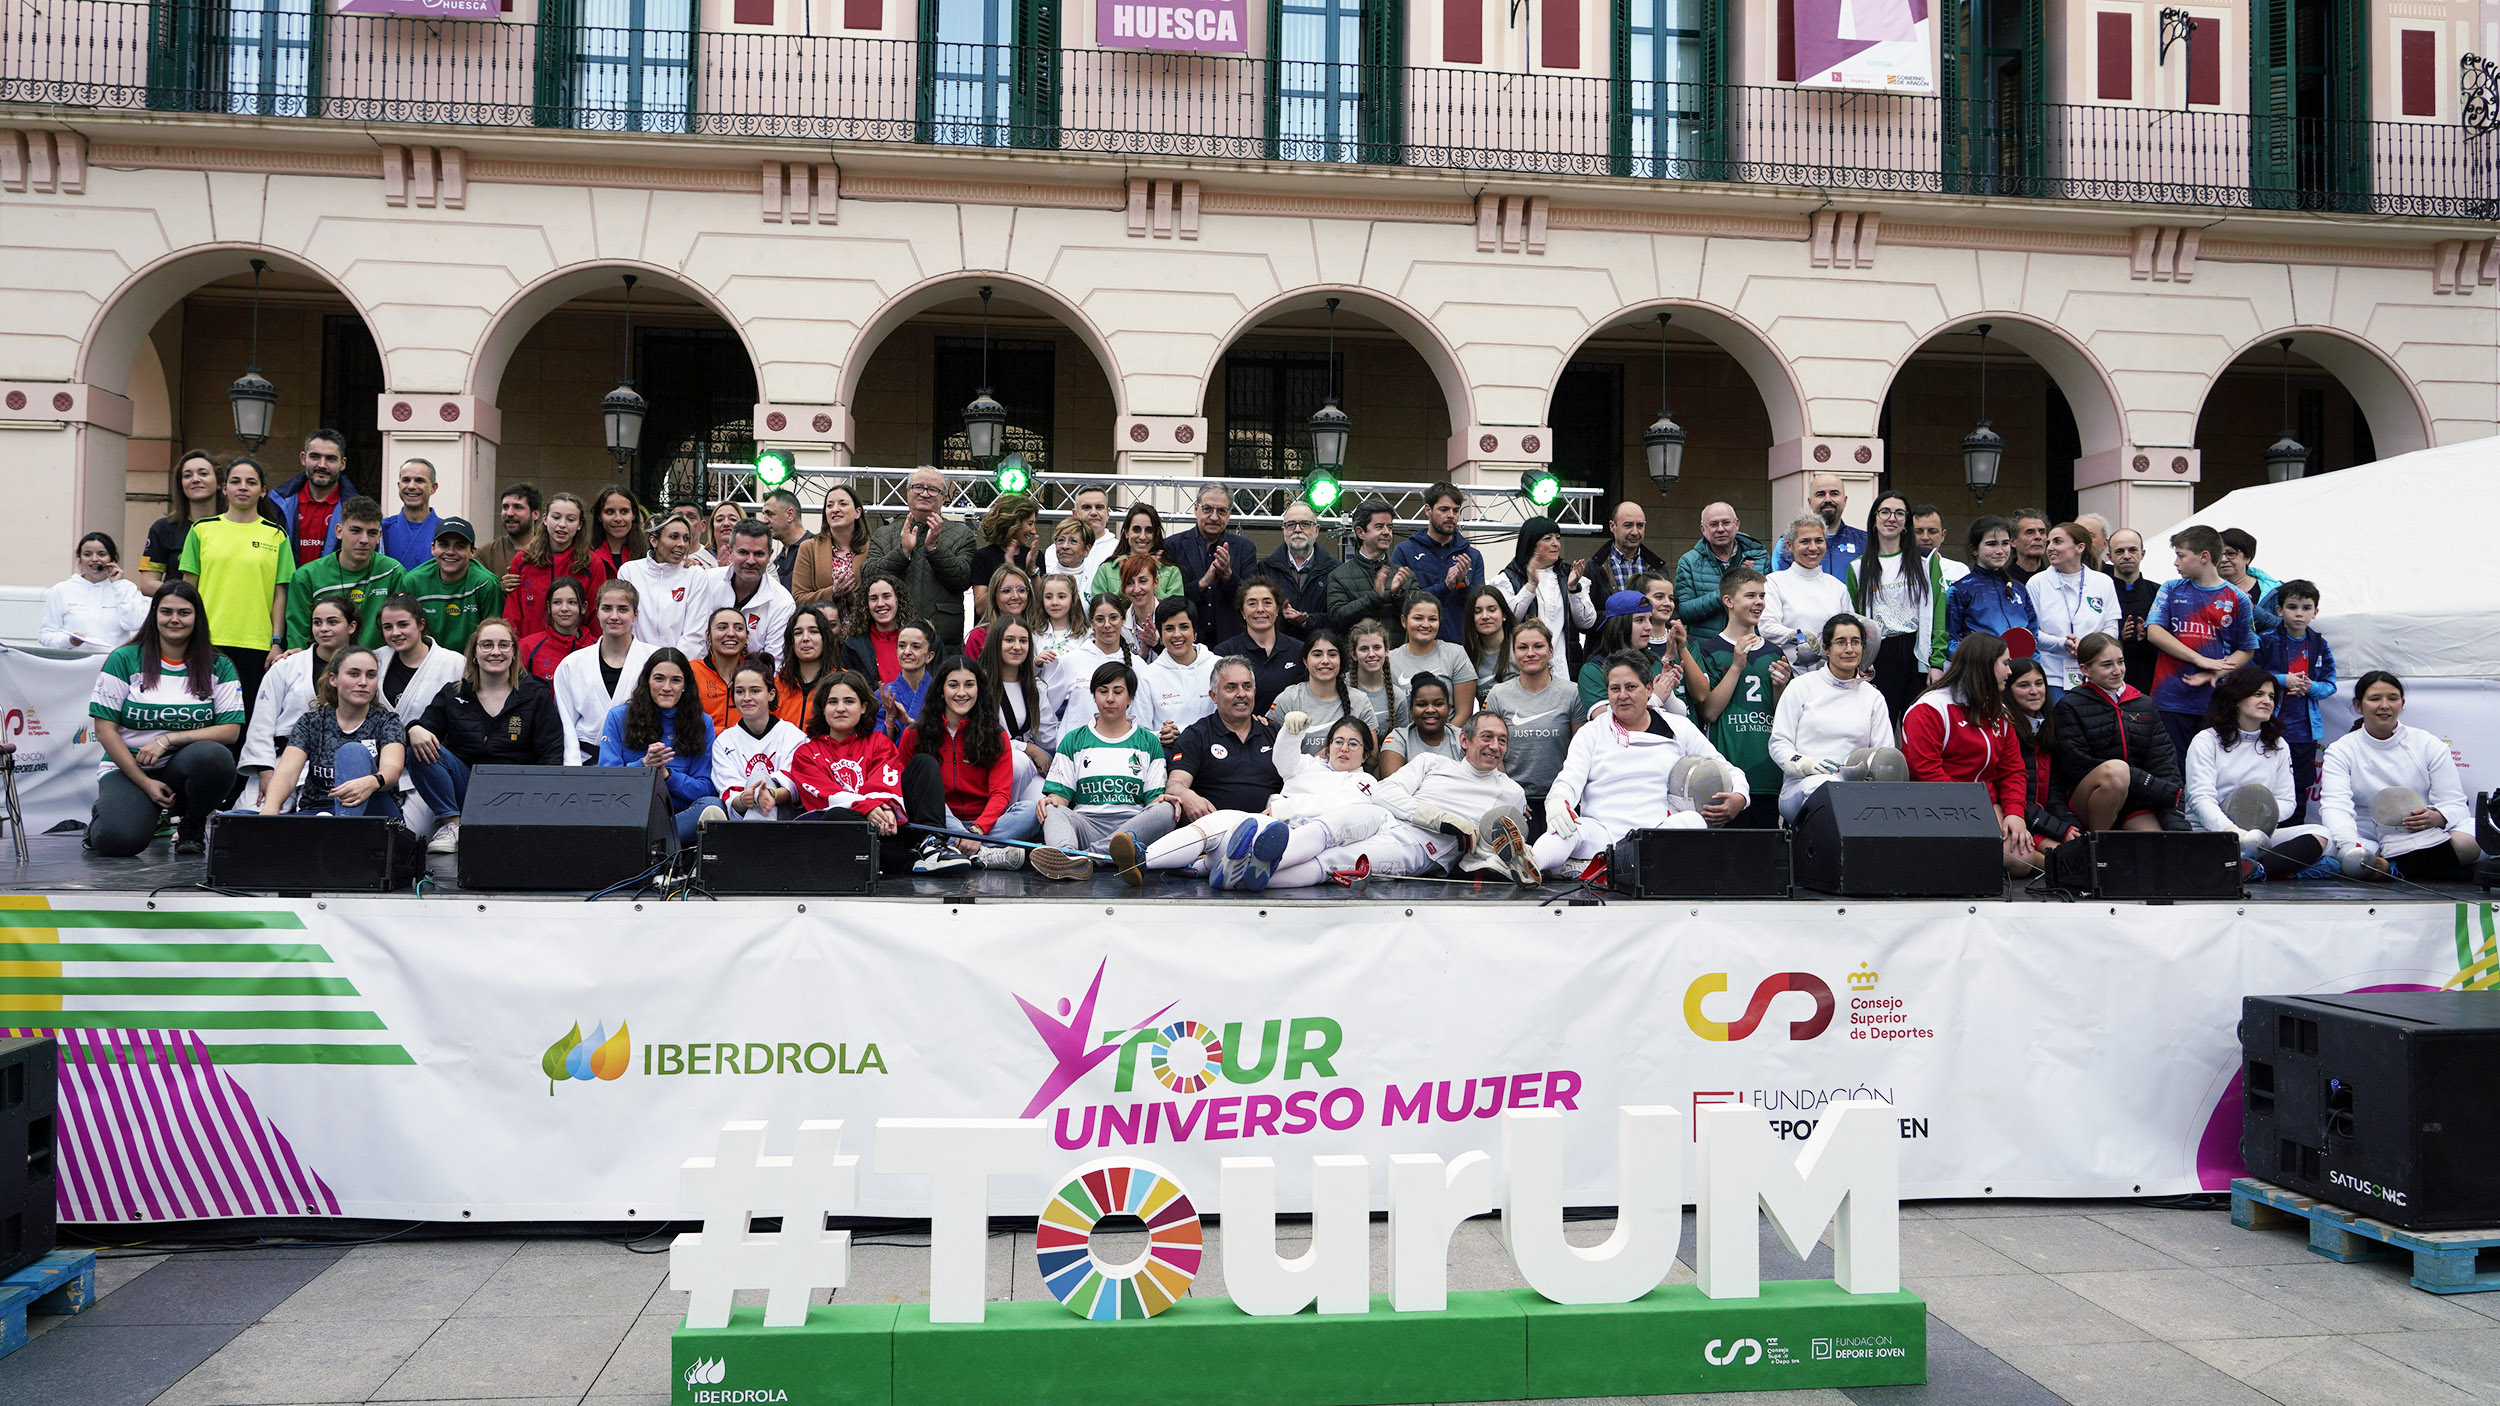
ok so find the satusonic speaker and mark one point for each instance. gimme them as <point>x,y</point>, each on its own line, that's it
<point>1900,839</point>
<point>2379,1103</point>
<point>29,1149</point>
<point>312,853</point>
<point>2148,864</point>
<point>1700,864</point>
<point>797,858</point>
<point>564,828</point>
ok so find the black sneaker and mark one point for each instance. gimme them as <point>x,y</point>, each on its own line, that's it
<point>938,856</point>
<point>189,845</point>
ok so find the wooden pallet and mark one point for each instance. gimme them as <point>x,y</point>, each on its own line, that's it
<point>2444,1261</point>
<point>62,1282</point>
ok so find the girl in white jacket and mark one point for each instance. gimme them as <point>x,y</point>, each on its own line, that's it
<point>677,594</point>
<point>2072,601</point>
<point>583,695</point>
<point>751,758</point>
<point>1802,595</point>
<point>97,609</point>
<point>2242,745</point>
<point>2433,841</point>
<point>1617,776</point>
<point>1321,805</point>
<point>1826,714</point>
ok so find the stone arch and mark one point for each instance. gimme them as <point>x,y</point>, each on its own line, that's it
<point>525,309</point>
<point>2399,420</point>
<point>928,293</point>
<point>1773,378</point>
<point>1418,331</point>
<point>110,349</point>
<point>2100,415</point>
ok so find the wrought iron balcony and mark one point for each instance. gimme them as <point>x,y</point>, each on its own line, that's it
<point>191,57</point>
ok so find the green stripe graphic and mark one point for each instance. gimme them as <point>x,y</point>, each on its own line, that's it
<point>176,986</point>
<point>206,1020</point>
<point>269,1054</point>
<point>139,918</point>
<point>161,952</point>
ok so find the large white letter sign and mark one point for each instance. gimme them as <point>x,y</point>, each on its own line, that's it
<point>960,1155</point>
<point>1336,1270</point>
<point>1850,1169</point>
<point>737,1183</point>
<point>1427,1200</point>
<point>1649,1193</point>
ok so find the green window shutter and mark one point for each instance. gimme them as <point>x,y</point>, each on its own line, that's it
<point>1712,147</point>
<point>316,47</point>
<point>1275,74</point>
<point>1619,92</point>
<point>186,55</point>
<point>924,103</point>
<point>2349,132</point>
<point>2272,137</point>
<point>1953,115</point>
<point>552,85</point>
<point>1033,103</point>
<point>694,65</point>
<point>1383,106</point>
<point>2031,120</point>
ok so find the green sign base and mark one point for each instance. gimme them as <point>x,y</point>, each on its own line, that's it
<point>1498,1346</point>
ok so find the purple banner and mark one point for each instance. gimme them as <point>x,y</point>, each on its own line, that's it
<point>426,9</point>
<point>1173,26</point>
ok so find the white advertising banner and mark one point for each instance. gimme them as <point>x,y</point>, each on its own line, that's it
<point>455,1060</point>
<point>43,709</point>
<point>1882,44</point>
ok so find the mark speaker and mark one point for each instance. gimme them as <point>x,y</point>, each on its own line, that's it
<point>1900,839</point>
<point>312,854</point>
<point>796,858</point>
<point>2148,864</point>
<point>29,1149</point>
<point>537,828</point>
<point>2378,1102</point>
<point>1700,864</point>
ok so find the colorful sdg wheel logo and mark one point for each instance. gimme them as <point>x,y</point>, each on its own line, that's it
<point>1063,1241</point>
<point>1184,1056</point>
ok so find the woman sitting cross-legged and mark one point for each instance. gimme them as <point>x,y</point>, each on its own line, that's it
<point>344,756</point>
<point>959,730</point>
<point>2239,769</point>
<point>662,726</point>
<point>751,757</point>
<point>849,771</point>
<point>1619,774</point>
<point>2113,756</point>
<point>495,714</point>
<point>1106,780</point>
<point>2382,764</point>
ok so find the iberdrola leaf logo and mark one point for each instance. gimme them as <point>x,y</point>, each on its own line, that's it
<point>602,1056</point>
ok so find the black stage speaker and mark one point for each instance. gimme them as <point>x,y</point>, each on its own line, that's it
<point>1900,839</point>
<point>2379,1103</point>
<point>1700,864</point>
<point>2154,864</point>
<point>795,858</point>
<point>312,853</point>
<point>566,828</point>
<point>30,1188</point>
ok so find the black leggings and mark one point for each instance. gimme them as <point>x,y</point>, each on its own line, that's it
<point>2437,861</point>
<point>202,775</point>
<point>924,803</point>
<point>1898,674</point>
<point>2290,857</point>
<point>250,667</point>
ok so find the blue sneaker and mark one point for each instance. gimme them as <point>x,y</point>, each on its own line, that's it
<point>1268,848</point>
<point>1233,865</point>
<point>2327,867</point>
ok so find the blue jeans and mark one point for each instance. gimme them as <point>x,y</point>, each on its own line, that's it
<point>442,782</point>
<point>690,818</point>
<point>354,760</point>
<point>1017,822</point>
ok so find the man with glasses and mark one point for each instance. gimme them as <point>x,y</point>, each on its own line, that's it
<point>1300,570</point>
<point>1213,561</point>
<point>311,499</point>
<point>930,555</point>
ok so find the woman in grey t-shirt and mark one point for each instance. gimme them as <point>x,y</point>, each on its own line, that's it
<point>1542,711</point>
<point>1323,694</point>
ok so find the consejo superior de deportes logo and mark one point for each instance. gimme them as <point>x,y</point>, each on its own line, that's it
<point>1759,1006</point>
<point>602,1056</point>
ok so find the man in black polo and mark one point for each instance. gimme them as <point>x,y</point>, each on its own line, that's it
<point>1224,761</point>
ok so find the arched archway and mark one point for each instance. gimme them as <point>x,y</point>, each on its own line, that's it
<point>922,357</point>
<point>936,293</point>
<point>553,350</point>
<point>2048,396</point>
<point>1288,314</point>
<point>2348,403</point>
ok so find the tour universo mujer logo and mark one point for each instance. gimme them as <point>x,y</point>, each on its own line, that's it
<point>602,1056</point>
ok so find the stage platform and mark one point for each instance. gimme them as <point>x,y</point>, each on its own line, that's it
<point>60,864</point>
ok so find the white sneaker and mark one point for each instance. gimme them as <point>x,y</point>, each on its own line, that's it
<point>710,814</point>
<point>1001,857</point>
<point>446,838</point>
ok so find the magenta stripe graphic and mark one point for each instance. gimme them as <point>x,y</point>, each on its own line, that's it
<point>176,1141</point>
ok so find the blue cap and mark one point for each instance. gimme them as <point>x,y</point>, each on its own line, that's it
<point>1626,603</point>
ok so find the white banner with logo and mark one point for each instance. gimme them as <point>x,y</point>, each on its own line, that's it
<point>444,1059</point>
<point>43,709</point>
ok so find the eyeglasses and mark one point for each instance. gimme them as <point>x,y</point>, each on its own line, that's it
<point>920,488</point>
<point>1890,512</point>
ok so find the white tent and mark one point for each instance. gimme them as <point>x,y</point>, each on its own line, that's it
<point>2395,548</point>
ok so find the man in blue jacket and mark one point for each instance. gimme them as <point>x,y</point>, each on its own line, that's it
<point>1441,560</point>
<point>1721,549</point>
<point>311,499</point>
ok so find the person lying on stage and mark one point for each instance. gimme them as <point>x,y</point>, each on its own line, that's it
<point>1616,776</point>
<point>2239,781</point>
<point>1825,714</point>
<point>1442,809</point>
<point>1327,800</point>
<point>2373,773</point>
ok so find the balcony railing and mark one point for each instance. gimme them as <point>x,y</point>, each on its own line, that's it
<point>109,54</point>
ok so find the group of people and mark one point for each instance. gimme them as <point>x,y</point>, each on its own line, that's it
<point>1163,702</point>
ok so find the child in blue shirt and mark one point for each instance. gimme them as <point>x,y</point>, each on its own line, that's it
<point>2304,672</point>
<point>1989,599</point>
<point>2200,624</point>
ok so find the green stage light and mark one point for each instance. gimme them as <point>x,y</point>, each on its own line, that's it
<point>774,468</point>
<point>1012,475</point>
<point>1541,487</point>
<point>1321,490</point>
